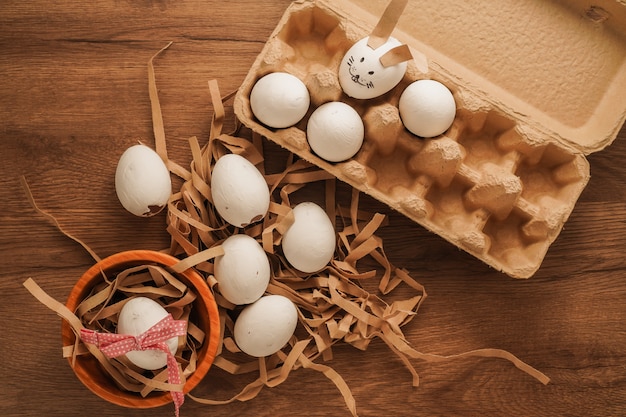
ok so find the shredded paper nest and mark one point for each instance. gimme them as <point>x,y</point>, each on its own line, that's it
<point>100,309</point>
<point>333,305</point>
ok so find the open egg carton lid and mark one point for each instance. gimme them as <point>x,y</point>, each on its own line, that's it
<point>558,66</point>
<point>537,84</point>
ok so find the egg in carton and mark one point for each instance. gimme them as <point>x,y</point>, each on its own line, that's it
<point>536,86</point>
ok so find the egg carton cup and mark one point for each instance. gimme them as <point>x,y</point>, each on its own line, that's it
<point>501,182</point>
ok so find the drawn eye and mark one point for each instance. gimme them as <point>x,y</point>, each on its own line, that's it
<point>362,59</point>
<point>371,73</point>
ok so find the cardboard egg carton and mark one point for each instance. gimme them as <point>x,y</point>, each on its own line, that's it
<point>538,85</point>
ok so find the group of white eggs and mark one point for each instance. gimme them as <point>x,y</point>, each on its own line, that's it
<point>335,131</point>
<point>241,197</point>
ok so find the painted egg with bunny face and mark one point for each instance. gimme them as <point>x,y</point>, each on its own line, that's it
<point>363,73</point>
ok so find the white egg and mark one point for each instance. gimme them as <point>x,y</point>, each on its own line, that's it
<point>427,108</point>
<point>137,316</point>
<point>265,326</point>
<point>309,243</point>
<point>279,100</point>
<point>335,131</point>
<point>243,272</point>
<point>361,73</point>
<point>142,181</point>
<point>239,191</point>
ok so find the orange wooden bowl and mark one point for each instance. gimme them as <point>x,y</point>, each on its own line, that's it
<point>204,314</point>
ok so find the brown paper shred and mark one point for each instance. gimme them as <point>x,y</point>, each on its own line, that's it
<point>187,219</point>
<point>195,332</point>
<point>249,392</point>
<point>161,377</point>
<point>386,23</point>
<point>98,299</point>
<point>157,116</point>
<point>279,375</point>
<point>197,258</point>
<point>403,347</point>
<point>192,363</point>
<point>74,350</point>
<point>257,141</point>
<point>396,55</point>
<point>329,198</point>
<point>217,122</point>
<point>53,220</point>
<point>52,304</point>
<point>180,303</point>
<point>331,374</point>
<point>299,172</point>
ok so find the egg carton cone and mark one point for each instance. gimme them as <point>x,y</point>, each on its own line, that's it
<point>537,86</point>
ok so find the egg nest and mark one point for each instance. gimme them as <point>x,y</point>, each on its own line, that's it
<point>100,310</point>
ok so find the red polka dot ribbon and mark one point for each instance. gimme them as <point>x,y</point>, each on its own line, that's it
<point>114,345</point>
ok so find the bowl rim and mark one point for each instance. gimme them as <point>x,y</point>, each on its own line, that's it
<point>134,258</point>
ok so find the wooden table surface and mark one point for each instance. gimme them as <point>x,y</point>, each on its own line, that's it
<point>74,95</point>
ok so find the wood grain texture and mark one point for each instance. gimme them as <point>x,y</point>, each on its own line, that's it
<point>74,95</point>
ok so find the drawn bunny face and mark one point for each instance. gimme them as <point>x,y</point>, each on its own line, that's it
<point>363,76</point>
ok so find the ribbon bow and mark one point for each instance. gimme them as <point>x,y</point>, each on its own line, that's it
<point>114,345</point>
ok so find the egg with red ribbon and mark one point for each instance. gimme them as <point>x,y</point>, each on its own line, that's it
<point>137,316</point>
